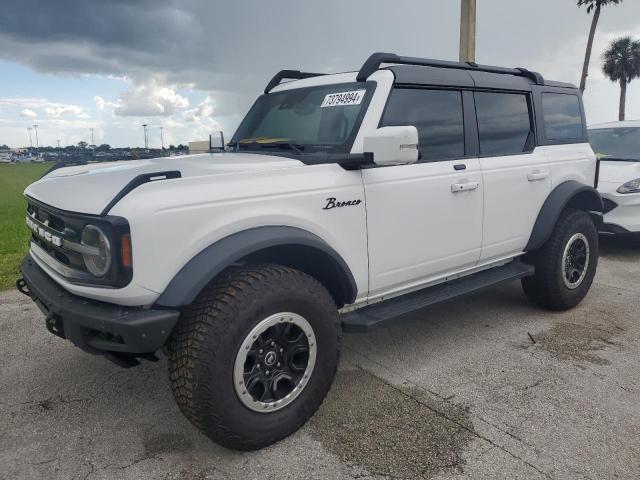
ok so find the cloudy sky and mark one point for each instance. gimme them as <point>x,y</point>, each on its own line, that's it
<point>195,66</point>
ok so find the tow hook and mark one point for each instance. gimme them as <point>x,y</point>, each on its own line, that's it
<point>54,325</point>
<point>22,287</point>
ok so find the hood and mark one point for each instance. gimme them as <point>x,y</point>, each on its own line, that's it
<point>90,188</point>
<point>618,172</point>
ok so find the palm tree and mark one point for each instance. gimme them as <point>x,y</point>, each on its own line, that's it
<point>621,63</point>
<point>591,6</point>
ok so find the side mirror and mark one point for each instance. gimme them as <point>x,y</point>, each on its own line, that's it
<point>216,141</point>
<point>393,145</point>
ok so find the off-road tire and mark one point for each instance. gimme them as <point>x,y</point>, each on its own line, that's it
<point>547,287</point>
<point>203,348</point>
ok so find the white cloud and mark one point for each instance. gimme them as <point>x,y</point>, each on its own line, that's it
<point>202,112</point>
<point>51,109</point>
<point>28,113</point>
<point>158,104</point>
<point>146,100</point>
<point>56,111</point>
<point>100,103</point>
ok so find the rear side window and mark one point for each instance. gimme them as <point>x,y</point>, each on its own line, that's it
<point>504,123</point>
<point>437,114</point>
<point>562,116</point>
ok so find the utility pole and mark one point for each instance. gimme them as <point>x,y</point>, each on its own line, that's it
<point>161,138</point>
<point>92,142</point>
<point>468,31</point>
<point>30,138</point>
<point>37,141</point>
<point>144,128</point>
<point>58,140</point>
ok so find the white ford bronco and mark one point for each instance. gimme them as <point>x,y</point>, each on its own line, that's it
<point>342,201</point>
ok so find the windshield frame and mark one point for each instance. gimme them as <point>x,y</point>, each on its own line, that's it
<point>603,156</point>
<point>344,148</point>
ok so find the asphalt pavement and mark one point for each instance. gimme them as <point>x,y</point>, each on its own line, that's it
<point>488,386</point>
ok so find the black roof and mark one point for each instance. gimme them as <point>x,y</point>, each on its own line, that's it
<point>436,76</point>
<point>423,71</point>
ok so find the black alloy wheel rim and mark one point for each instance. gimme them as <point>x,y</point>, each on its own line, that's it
<point>275,362</point>
<point>575,261</point>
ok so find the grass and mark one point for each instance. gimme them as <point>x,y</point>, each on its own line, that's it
<point>14,235</point>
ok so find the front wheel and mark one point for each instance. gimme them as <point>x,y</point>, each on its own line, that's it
<point>253,358</point>
<point>566,264</point>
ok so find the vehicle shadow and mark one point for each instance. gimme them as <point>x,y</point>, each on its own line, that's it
<point>620,248</point>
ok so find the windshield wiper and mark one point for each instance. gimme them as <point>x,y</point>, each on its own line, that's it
<point>292,146</point>
<point>297,148</point>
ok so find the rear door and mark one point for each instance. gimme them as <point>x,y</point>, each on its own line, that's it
<point>562,129</point>
<point>516,174</point>
<point>425,220</point>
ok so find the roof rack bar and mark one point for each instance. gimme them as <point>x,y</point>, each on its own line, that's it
<point>289,75</point>
<point>374,61</point>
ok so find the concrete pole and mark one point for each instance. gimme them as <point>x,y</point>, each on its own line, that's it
<point>468,31</point>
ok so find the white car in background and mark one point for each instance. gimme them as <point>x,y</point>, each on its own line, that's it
<point>617,144</point>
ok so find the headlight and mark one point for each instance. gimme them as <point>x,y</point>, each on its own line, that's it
<point>630,187</point>
<point>98,261</point>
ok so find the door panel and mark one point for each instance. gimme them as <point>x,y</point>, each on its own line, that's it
<point>516,176</point>
<point>516,186</point>
<point>421,224</point>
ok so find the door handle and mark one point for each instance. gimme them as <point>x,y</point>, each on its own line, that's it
<point>537,175</point>
<point>464,187</point>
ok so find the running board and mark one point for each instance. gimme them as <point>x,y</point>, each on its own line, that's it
<point>366,318</point>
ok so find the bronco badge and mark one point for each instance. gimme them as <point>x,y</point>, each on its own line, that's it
<point>333,203</point>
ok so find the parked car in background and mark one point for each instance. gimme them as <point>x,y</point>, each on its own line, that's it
<point>617,144</point>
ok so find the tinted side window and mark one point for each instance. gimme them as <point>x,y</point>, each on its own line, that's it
<point>562,116</point>
<point>437,114</point>
<point>504,123</point>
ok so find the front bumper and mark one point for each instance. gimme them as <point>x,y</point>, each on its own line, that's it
<point>121,333</point>
<point>622,211</point>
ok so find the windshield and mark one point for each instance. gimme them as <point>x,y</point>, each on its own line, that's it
<point>616,143</point>
<point>305,120</point>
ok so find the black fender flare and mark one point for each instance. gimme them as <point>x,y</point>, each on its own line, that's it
<point>202,268</point>
<point>569,192</point>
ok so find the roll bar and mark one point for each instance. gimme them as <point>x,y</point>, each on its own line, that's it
<point>288,75</point>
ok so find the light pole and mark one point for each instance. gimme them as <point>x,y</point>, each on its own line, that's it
<point>468,31</point>
<point>30,138</point>
<point>161,138</point>
<point>37,141</point>
<point>144,128</point>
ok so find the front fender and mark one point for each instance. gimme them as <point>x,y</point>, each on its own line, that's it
<point>204,267</point>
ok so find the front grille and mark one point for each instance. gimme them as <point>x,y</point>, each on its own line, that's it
<point>48,218</point>
<point>56,240</point>
<point>56,225</point>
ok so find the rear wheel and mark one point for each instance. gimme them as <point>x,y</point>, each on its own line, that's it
<point>566,264</point>
<point>254,356</point>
